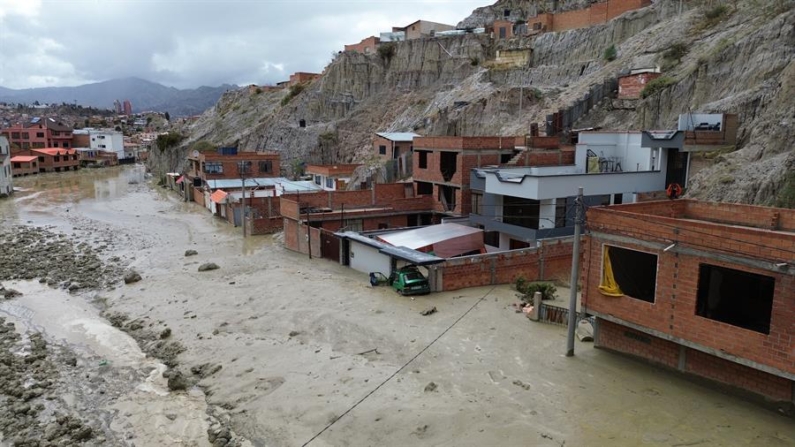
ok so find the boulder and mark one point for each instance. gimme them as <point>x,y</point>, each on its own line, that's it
<point>208,266</point>
<point>131,277</point>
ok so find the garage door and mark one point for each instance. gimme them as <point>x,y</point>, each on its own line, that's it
<point>367,259</point>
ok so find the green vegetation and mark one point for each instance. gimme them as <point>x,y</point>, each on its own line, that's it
<point>786,195</point>
<point>203,146</point>
<point>611,53</point>
<point>294,91</point>
<point>716,12</point>
<point>657,85</point>
<point>387,51</point>
<point>676,52</point>
<point>168,141</point>
<point>528,289</point>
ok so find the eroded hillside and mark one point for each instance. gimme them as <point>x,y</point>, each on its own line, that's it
<point>726,60</point>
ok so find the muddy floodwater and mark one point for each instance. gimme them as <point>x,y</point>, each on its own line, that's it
<point>275,349</point>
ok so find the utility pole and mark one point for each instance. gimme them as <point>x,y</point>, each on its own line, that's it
<point>575,273</point>
<point>241,167</point>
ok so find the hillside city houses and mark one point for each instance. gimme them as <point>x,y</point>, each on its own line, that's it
<point>696,287</point>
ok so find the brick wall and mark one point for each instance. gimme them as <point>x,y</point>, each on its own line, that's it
<point>629,87</point>
<point>629,341</point>
<point>565,21</point>
<point>622,339</point>
<point>198,195</point>
<point>503,29</point>
<point>673,311</point>
<point>552,261</point>
<point>264,225</point>
<point>464,142</point>
<point>386,195</point>
<point>596,14</point>
<point>366,46</point>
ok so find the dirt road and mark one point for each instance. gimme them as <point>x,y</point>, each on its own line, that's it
<point>288,351</point>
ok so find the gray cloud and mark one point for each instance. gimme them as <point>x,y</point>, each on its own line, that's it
<point>192,43</point>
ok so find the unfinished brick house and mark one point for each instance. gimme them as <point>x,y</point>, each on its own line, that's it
<point>703,288</point>
<point>228,163</point>
<point>386,205</point>
<point>442,165</point>
<point>366,46</point>
<point>331,177</point>
<point>596,14</point>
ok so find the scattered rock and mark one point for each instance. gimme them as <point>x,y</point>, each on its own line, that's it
<point>191,253</point>
<point>176,381</point>
<point>431,387</point>
<point>165,333</point>
<point>294,333</point>
<point>430,311</point>
<point>521,384</point>
<point>131,277</point>
<point>208,266</point>
<point>9,293</point>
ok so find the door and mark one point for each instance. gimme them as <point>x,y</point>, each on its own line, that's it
<point>677,167</point>
<point>329,246</point>
<point>238,216</point>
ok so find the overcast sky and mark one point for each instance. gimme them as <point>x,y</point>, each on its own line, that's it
<point>188,43</point>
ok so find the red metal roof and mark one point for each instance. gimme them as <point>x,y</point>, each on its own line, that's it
<point>55,151</point>
<point>23,158</point>
<point>218,196</point>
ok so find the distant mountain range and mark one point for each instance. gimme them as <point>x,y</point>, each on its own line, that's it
<point>144,95</point>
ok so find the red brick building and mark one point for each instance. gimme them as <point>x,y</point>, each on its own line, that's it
<point>387,205</point>
<point>366,46</point>
<point>630,86</point>
<point>302,77</point>
<point>22,165</point>
<point>56,159</point>
<point>442,165</point>
<point>704,288</point>
<point>216,166</point>
<point>38,134</point>
<point>596,14</point>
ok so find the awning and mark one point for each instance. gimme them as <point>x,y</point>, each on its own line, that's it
<point>218,196</point>
<point>180,179</point>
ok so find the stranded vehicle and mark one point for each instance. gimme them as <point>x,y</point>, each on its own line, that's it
<point>406,281</point>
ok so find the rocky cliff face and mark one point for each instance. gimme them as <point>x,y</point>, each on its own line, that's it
<point>738,62</point>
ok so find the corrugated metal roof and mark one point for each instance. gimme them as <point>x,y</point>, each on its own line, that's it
<point>402,253</point>
<point>398,136</point>
<point>422,237</point>
<point>282,182</point>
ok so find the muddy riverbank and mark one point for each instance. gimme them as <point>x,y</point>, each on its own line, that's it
<point>275,349</point>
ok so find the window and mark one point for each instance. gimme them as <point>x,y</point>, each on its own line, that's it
<point>65,144</point>
<point>57,158</point>
<point>25,135</point>
<point>25,145</point>
<point>505,158</point>
<point>39,134</point>
<point>102,146</point>
<point>502,32</point>
<point>735,297</point>
<point>41,159</point>
<point>477,203</point>
<point>55,133</point>
<point>54,144</point>
<point>37,145</point>
<point>629,273</point>
<point>382,149</point>
<point>560,213</point>
<point>330,183</point>
<point>353,224</point>
<point>266,166</point>
<point>424,188</point>
<point>318,180</point>
<point>15,135</point>
<point>423,162</point>
<point>17,165</point>
<point>214,167</point>
<point>491,238</point>
<point>101,137</point>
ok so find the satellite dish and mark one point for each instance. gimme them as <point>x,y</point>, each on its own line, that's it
<point>195,154</point>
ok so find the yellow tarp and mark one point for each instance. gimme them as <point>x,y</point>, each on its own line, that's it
<point>609,286</point>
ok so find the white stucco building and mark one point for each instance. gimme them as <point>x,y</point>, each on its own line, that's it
<point>6,185</point>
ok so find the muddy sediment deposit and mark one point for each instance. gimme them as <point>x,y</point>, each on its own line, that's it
<point>31,413</point>
<point>30,253</point>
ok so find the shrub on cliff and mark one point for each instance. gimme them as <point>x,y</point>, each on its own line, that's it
<point>657,85</point>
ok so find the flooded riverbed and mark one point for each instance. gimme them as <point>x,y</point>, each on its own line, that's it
<point>284,350</point>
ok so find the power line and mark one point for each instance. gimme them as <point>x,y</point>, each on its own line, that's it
<point>399,370</point>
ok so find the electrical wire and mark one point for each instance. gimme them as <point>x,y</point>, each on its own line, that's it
<point>400,369</point>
